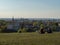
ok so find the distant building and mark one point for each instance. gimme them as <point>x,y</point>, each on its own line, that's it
<point>13,26</point>
<point>58,29</point>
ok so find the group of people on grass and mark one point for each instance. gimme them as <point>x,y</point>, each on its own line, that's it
<point>48,30</point>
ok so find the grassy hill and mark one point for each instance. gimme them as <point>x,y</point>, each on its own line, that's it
<point>29,39</point>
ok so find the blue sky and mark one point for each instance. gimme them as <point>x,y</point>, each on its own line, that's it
<point>30,8</point>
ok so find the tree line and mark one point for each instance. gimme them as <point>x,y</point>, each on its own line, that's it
<point>33,26</point>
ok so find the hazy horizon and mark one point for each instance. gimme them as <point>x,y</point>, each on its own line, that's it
<point>30,8</point>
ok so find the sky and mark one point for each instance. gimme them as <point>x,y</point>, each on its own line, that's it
<point>30,8</point>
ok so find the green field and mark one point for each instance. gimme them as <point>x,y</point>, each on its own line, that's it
<point>29,39</point>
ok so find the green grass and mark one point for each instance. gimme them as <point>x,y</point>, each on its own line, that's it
<point>29,39</point>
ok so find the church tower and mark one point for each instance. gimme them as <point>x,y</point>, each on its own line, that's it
<point>13,19</point>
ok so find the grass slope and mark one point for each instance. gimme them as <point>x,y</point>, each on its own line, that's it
<point>29,39</point>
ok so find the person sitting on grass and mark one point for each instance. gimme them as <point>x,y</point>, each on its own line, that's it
<point>42,30</point>
<point>49,30</point>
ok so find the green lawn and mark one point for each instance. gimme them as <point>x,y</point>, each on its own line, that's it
<point>29,39</point>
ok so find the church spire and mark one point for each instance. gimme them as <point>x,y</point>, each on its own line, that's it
<point>13,18</point>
